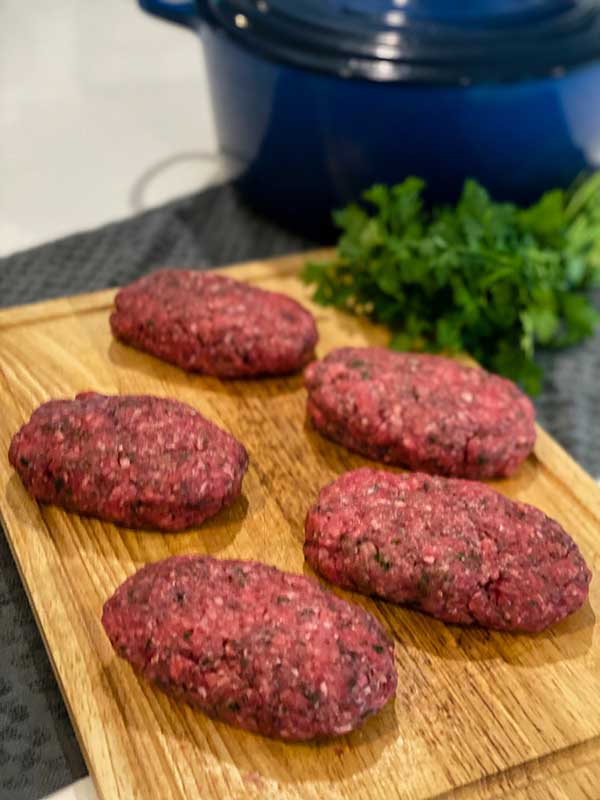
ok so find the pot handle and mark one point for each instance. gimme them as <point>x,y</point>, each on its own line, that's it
<point>187,13</point>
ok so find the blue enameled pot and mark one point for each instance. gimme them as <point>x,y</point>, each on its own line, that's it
<point>318,99</point>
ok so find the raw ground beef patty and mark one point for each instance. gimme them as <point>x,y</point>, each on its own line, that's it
<point>209,323</point>
<point>455,549</point>
<point>423,412</point>
<point>134,460</point>
<point>252,646</point>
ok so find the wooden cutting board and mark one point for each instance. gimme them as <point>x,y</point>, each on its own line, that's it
<point>476,715</point>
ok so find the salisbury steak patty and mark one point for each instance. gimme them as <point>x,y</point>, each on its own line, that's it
<point>421,411</point>
<point>137,461</point>
<point>247,644</point>
<point>209,323</point>
<point>455,549</point>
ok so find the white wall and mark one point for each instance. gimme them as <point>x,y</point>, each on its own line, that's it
<point>104,111</point>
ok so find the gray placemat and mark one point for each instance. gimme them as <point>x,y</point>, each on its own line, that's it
<point>38,750</point>
<point>212,228</point>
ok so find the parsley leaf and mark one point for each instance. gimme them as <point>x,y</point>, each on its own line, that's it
<point>490,279</point>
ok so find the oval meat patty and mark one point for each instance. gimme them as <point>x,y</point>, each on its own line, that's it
<point>455,549</point>
<point>423,412</point>
<point>134,460</point>
<point>209,323</point>
<point>247,644</point>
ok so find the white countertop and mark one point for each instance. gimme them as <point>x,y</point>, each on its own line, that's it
<point>104,111</point>
<point>80,790</point>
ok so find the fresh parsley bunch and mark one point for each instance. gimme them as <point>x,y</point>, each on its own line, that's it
<point>489,279</point>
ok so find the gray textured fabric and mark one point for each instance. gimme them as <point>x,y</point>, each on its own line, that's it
<point>212,228</point>
<point>38,750</point>
<point>569,406</point>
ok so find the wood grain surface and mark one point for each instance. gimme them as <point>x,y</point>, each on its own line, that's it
<point>477,714</point>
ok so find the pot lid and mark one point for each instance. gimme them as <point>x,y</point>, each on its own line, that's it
<point>422,41</point>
